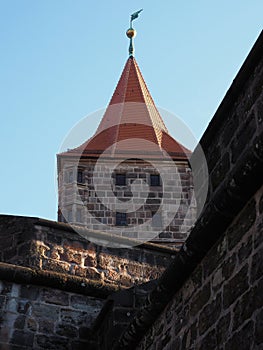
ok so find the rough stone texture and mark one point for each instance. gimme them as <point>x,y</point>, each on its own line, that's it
<point>223,311</point>
<point>82,204</point>
<point>57,247</point>
<point>34,317</point>
<point>70,278</point>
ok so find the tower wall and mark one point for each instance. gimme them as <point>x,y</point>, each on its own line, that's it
<point>81,202</point>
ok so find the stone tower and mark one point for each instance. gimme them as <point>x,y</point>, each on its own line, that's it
<point>132,177</point>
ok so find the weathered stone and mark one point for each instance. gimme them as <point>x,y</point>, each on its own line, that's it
<point>22,338</point>
<point>24,307</point>
<point>242,225</point>
<point>46,326</point>
<point>220,170</point>
<point>91,261</point>
<point>200,299</point>
<point>41,311</point>
<point>52,342</point>
<point>228,266</point>
<point>54,265</point>
<point>257,264</point>
<point>258,335</point>
<point>245,250</point>
<point>20,322</point>
<point>209,341</point>
<point>243,339</point>
<point>235,287</point>
<point>66,330</point>
<point>29,292</point>
<point>223,328</point>
<point>247,304</point>
<point>77,318</point>
<point>31,324</point>
<point>55,296</point>
<point>210,314</point>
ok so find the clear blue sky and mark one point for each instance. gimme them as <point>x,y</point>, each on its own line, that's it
<point>61,60</point>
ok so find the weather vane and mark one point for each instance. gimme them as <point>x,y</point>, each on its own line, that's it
<point>131,32</point>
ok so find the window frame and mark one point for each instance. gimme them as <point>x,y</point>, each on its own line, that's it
<point>153,182</point>
<point>81,174</point>
<point>118,181</point>
<point>121,219</point>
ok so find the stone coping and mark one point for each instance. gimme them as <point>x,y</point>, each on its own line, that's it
<point>65,282</point>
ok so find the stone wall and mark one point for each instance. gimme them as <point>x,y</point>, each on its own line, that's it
<point>38,317</point>
<point>220,305</point>
<point>55,282</point>
<point>51,246</point>
<point>210,295</point>
<point>80,202</point>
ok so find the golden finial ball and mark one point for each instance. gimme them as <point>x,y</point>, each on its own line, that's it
<point>131,33</point>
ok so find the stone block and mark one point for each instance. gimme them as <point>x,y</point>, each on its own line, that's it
<point>244,222</point>
<point>247,304</point>
<point>52,342</point>
<point>20,322</point>
<point>57,266</point>
<point>223,328</point>
<point>46,326</point>
<point>258,335</point>
<point>73,317</point>
<point>200,299</point>
<point>257,265</point>
<point>31,324</point>
<point>29,292</point>
<point>235,287</point>
<point>245,250</point>
<point>55,296</point>
<point>22,338</point>
<point>210,314</point>
<point>209,341</point>
<point>71,256</point>
<point>44,311</point>
<point>66,330</point>
<point>243,339</point>
<point>228,266</point>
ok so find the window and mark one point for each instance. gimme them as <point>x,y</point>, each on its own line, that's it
<point>121,219</point>
<point>155,180</point>
<point>68,177</point>
<point>79,215</point>
<point>156,220</point>
<point>80,176</point>
<point>69,219</point>
<point>120,180</point>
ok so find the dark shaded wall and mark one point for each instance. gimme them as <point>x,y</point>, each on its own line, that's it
<point>54,283</point>
<point>219,304</point>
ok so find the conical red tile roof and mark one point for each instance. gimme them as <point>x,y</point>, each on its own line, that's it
<point>131,124</point>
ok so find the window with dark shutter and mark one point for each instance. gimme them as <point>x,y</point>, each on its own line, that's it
<point>80,176</point>
<point>121,219</point>
<point>120,180</point>
<point>155,180</point>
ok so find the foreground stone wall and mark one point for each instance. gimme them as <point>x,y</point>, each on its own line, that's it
<point>51,246</point>
<point>35,317</point>
<point>55,282</point>
<point>217,303</point>
<point>220,305</point>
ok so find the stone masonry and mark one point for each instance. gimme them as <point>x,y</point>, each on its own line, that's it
<point>80,204</point>
<point>55,282</point>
